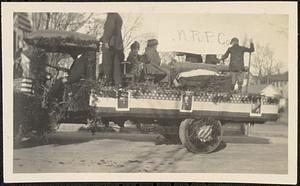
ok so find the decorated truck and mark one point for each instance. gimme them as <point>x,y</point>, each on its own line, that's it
<point>192,114</point>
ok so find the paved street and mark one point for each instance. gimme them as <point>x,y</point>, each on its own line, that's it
<point>81,152</point>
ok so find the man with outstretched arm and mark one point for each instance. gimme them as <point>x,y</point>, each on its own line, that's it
<point>236,65</point>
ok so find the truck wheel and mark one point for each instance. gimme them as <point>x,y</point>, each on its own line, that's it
<point>201,135</point>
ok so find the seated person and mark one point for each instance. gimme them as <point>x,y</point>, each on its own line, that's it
<point>152,61</point>
<point>136,66</point>
<point>76,72</point>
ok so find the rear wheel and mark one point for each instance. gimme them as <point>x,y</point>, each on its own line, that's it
<point>201,135</point>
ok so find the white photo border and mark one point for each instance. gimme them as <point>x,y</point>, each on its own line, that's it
<point>288,8</point>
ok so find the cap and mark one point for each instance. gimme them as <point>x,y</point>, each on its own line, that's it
<point>152,42</point>
<point>234,40</point>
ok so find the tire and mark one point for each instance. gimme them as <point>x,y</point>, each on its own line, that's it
<point>192,130</point>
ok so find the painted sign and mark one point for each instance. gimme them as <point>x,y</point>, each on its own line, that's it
<point>201,35</point>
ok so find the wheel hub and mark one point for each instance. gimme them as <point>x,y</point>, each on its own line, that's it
<point>205,133</point>
<point>202,135</point>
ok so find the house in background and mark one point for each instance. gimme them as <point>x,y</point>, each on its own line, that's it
<point>276,85</point>
<point>279,81</point>
<point>22,27</point>
<point>270,90</point>
<point>253,79</point>
<point>266,90</point>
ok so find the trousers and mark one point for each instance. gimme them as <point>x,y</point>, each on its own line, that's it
<point>111,59</point>
<point>237,77</point>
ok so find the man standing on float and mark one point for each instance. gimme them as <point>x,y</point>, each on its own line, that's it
<point>236,65</point>
<point>112,48</point>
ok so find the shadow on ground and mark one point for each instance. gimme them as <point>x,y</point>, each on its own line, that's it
<point>65,138</point>
<point>246,139</point>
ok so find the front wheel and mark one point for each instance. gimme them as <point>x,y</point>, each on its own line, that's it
<point>201,135</point>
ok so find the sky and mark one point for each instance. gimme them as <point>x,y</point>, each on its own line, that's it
<point>264,29</point>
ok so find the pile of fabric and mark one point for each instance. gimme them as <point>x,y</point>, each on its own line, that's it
<point>201,77</point>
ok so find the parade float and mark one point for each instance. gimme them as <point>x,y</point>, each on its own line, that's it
<point>193,114</point>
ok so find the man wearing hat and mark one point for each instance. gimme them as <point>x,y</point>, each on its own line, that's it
<point>77,71</point>
<point>153,61</point>
<point>112,48</point>
<point>236,65</point>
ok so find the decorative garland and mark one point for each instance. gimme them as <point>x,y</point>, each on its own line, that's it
<point>28,110</point>
<point>62,42</point>
<point>137,90</point>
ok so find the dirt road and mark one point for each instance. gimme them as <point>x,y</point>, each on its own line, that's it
<point>80,152</point>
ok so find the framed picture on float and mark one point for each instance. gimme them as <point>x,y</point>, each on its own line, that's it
<point>186,104</point>
<point>256,107</point>
<point>123,100</point>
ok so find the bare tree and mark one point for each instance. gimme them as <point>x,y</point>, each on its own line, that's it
<point>59,21</point>
<point>95,26</point>
<point>277,67</point>
<point>92,25</point>
<point>264,62</point>
<point>131,24</point>
<point>130,29</point>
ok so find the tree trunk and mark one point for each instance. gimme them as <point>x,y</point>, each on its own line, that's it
<point>48,21</point>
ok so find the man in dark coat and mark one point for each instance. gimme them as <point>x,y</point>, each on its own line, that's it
<point>77,71</point>
<point>236,65</point>
<point>112,48</point>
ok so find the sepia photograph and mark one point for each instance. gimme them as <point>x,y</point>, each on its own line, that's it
<point>148,91</point>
